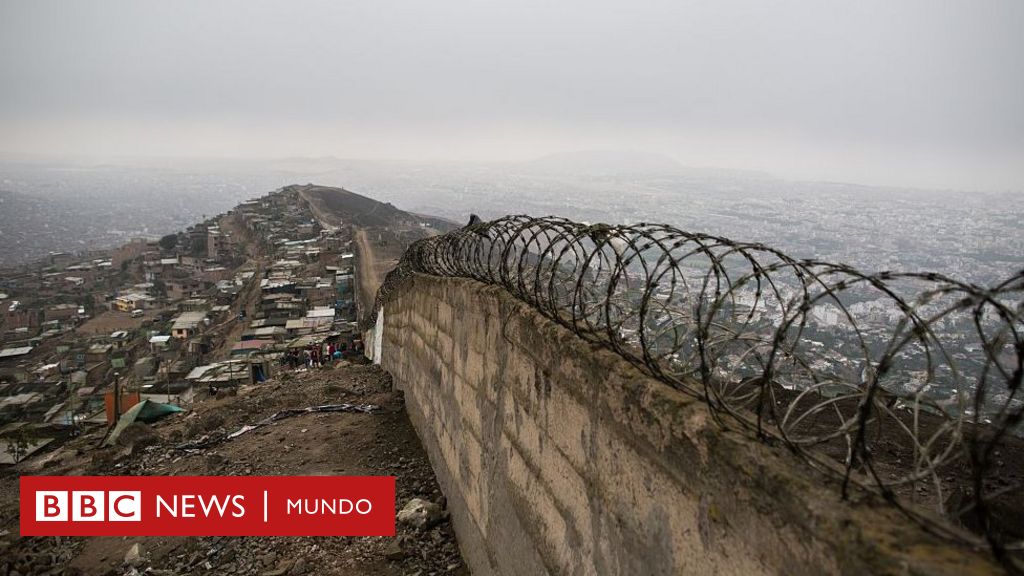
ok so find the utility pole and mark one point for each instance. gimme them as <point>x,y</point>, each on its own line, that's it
<point>117,397</point>
<point>70,408</point>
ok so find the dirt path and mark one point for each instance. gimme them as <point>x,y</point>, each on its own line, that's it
<point>371,271</point>
<point>323,216</point>
<point>378,247</point>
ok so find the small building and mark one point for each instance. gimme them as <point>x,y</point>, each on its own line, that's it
<point>183,288</point>
<point>297,327</point>
<point>159,342</point>
<point>320,318</point>
<point>188,324</point>
<point>247,347</point>
<point>273,333</point>
<point>178,392</point>
<point>17,315</point>
<point>229,373</point>
<point>8,354</point>
<point>132,301</point>
<point>119,339</point>
<point>97,353</point>
<point>213,243</point>
<point>60,312</point>
<point>11,360</point>
<point>216,274</point>
<point>194,305</point>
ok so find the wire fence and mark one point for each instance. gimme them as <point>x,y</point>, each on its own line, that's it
<point>905,384</point>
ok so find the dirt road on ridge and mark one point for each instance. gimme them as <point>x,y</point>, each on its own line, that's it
<point>371,270</point>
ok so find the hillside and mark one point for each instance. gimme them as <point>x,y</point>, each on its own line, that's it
<point>381,442</point>
<point>381,231</point>
<point>360,211</point>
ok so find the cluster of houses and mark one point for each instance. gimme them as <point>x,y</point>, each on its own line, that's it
<point>304,296</point>
<point>170,319</point>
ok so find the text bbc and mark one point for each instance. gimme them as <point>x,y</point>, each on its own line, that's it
<point>89,506</point>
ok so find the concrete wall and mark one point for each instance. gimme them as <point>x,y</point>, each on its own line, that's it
<point>560,457</point>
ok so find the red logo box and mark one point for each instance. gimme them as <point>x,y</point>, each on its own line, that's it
<point>207,505</point>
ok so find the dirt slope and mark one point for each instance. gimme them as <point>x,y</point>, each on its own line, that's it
<point>380,443</point>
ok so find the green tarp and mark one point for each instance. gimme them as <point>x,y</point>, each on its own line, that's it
<point>145,411</point>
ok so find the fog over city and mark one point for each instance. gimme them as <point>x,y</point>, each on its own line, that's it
<point>123,119</point>
<point>912,93</point>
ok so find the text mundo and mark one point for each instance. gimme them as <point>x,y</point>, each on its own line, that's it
<point>215,505</point>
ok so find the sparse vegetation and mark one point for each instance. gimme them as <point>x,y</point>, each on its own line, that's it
<point>168,242</point>
<point>19,443</point>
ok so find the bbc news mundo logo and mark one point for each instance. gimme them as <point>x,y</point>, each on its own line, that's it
<point>207,505</point>
<point>89,506</point>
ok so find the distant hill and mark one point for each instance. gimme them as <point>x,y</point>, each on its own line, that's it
<point>363,211</point>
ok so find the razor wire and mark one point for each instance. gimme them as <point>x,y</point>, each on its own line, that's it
<point>907,384</point>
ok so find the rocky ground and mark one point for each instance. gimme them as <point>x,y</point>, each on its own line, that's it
<point>328,443</point>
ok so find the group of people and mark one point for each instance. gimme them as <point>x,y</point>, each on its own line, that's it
<point>312,356</point>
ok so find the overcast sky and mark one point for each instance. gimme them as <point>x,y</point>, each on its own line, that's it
<point>909,92</point>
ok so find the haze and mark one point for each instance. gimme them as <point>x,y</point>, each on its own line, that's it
<point>911,93</point>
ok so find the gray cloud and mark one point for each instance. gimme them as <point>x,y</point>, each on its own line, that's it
<point>916,92</point>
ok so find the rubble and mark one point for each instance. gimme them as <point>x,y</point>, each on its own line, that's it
<point>137,436</point>
<point>135,556</point>
<point>350,442</point>
<point>420,514</point>
<point>206,442</point>
<point>395,551</point>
